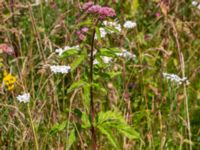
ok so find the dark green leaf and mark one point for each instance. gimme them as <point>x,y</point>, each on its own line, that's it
<point>58,127</point>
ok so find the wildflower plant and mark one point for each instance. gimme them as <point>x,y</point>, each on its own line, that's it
<point>95,55</point>
<point>9,80</point>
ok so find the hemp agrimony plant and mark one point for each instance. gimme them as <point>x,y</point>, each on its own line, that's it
<point>95,58</point>
<point>100,120</point>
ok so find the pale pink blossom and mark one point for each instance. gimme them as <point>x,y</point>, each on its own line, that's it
<point>87,5</point>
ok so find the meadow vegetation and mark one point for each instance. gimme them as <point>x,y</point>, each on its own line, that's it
<point>100,75</point>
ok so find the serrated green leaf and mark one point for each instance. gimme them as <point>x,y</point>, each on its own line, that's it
<point>76,85</point>
<point>70,52</point>
<point>127,131</point>
<point>116,121</point>
<point>85,23</point>
<point>77,62</point>
<point>109,135</point>
<point>109,118</point>
<point>107,52</point>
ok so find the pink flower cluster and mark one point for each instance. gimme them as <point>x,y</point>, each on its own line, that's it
<point>81,33</point>
<point>87,5</point>
<point>103,12</point>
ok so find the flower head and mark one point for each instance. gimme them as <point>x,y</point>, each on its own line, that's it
<point>5,48</point>
<point>194,3</point>
<point>106,59</point>
<point>82,37</point>
<point>9,80</point>
<point>60,69</point>
<point>94,9</point>
<point>103,12</point>
<point>175,78</point>
<point>126,54</point>
<point>102,33</point>
<point>84,29</point>
<point>157,14</point>
<point>115,25</point>
<point>25,98</point>
<point>95,62</point>
<point>82,33</point>
<point>106,12</point>
<point>129,24</point>
<point>87,5</point>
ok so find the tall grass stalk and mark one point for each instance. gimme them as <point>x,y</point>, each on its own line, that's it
<point>33,129</point>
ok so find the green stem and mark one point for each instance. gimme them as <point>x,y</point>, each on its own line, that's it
<point>33,129</point>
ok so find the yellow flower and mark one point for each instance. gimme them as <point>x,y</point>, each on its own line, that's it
<point>9,80</point>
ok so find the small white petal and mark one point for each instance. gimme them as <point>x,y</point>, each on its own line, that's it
<point>105,23</point>
<point>106,59</point>
<point>198,6</point>
<point>102,33</point>
<point>95,62</point>
<point>194,3</point>
<point>25,98</point>
<point>118,27</point>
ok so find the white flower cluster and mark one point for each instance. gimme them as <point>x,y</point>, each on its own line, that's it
<point>116,25</point>
<point>102,33</point>
<point>25,98</point>
<point>106,59</point>
<point>175,78</point>
<point>129,24</point>
<point>60,51</point>
<point>60,69</point>
<point>126,54</point>
<point>196,4</point>
<point>95,62</point>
